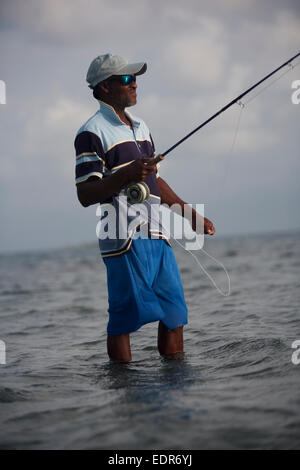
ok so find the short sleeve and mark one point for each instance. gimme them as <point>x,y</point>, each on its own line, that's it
<point>89,156</point>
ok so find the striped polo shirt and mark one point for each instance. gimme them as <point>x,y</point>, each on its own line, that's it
<point>103,145</point>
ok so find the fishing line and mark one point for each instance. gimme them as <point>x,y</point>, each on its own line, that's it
<point>242,105</point>
<point>230,153</point>
<point>291,67</point>
<point>227,106</point>
<point>225,294</point>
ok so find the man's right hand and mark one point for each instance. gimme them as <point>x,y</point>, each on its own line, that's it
<point>138,170</point>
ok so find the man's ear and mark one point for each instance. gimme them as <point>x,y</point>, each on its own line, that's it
<point>104,87</point>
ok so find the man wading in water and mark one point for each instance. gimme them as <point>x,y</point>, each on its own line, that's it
<point>113,149</point>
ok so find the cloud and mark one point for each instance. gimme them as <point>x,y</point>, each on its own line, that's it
<point>71,22</point>
<point>200,55</point>
<point>195,58</point>
<point>50,125</point>
<point>48,145</point>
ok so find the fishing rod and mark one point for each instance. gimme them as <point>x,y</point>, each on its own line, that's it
<point>138,192</point>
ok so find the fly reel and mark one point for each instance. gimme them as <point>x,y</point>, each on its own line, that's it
<point>137,192</point>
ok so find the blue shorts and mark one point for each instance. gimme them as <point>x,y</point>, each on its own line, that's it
<point>144,286</point>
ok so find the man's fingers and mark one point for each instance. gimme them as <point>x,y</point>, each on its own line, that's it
<point>153,160</point>
<point>148,161</point>
<point>209,228</point>
<point>157,159</point>
<point>149,169</point>
<point>145,173</point>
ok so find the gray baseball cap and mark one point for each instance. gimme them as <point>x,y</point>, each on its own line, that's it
<point>104,66</point>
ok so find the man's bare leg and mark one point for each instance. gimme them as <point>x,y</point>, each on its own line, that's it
<point>118,347</point>
<point>169,342</point>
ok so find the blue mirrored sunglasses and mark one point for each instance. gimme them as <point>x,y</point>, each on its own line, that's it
<point>124,79</point>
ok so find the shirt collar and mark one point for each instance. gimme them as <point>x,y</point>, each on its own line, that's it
<point>111,114</point>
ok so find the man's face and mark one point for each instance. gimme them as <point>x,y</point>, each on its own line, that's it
<point>121,95</point>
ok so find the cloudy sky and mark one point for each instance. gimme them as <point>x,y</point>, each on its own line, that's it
<point>200,55</point>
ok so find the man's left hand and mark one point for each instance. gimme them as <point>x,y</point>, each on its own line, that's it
<point>209,228</point>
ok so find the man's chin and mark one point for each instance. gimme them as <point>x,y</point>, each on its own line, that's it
<point>131,102</point>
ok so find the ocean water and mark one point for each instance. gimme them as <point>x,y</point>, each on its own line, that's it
<point>235,388</point>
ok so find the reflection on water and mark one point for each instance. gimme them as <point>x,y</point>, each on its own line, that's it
<point>150,397</point>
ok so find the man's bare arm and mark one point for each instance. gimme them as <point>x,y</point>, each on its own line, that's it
<point>96,190</point>
<point>169,197</point>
